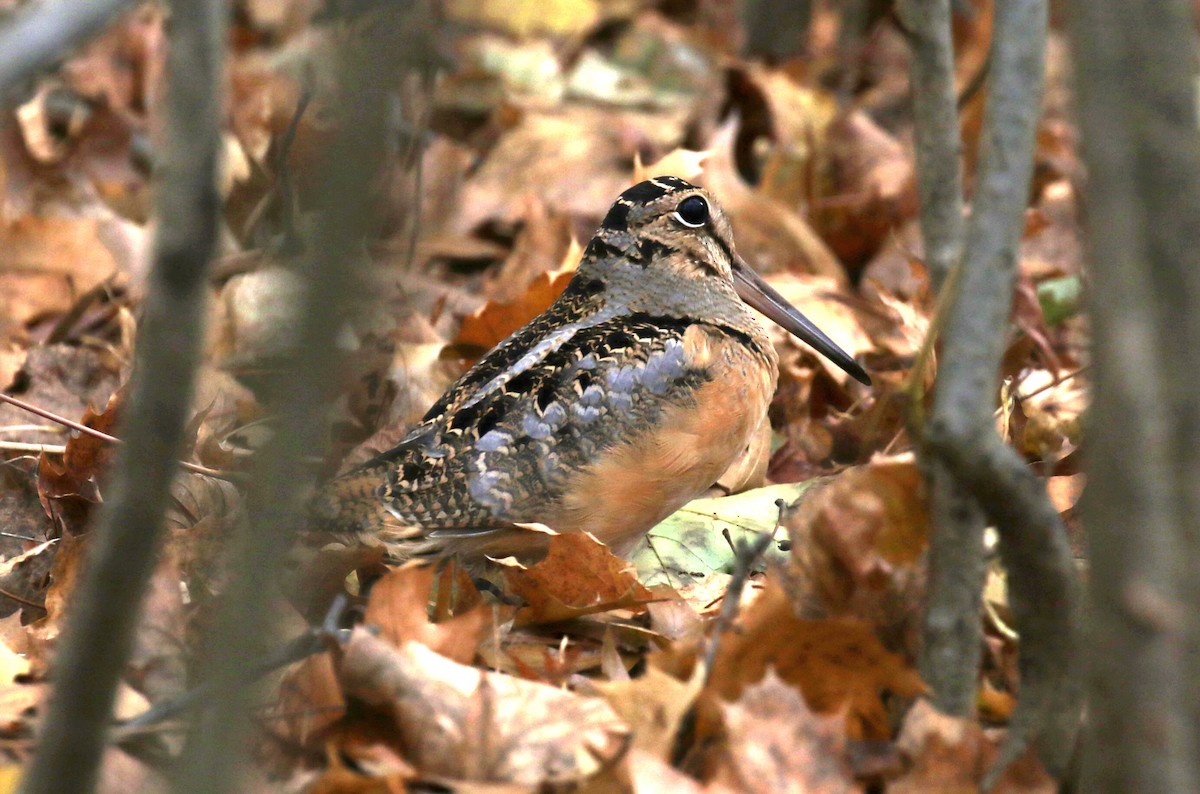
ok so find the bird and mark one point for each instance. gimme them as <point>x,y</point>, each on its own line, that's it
<point>628,397</point>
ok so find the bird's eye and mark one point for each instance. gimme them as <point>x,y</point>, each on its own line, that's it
<point>692,212</point>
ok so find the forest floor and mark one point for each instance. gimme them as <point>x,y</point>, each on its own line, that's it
<point>594,678</point>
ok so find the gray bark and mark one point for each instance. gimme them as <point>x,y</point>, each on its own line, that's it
<point>1043,586</point>
<point>951,633</point>
<point>98,636</point>
<point>1136,91</point>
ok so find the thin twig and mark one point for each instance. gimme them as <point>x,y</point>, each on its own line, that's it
<point>94,433</point>
<point>746,553</point>
<point>21,446</point>
<point>310,643</point>
<point>1046,387</point>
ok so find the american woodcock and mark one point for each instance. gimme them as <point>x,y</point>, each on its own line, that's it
<point>627,398</point>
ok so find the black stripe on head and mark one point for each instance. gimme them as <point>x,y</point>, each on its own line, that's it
<point>724,246</point>
<point>599,248</point>
<point>675,182</point>
<point>648,249</point>
<point>617,219</point>
<point>645,192</point>
<point>653,189</point>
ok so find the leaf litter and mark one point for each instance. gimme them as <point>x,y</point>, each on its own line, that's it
<point>587,671</point>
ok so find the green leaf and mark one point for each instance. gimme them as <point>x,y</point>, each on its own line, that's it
<point>690,545</point>
<point>1060,298</point>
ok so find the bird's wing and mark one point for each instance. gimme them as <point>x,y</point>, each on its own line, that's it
<point>498,450</point>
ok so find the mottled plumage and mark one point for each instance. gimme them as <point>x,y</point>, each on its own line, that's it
<point>627,397</point>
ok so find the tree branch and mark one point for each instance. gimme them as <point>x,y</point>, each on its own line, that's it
<point>951,630</point>
<point>1042,582</point>
<point>124,545</point>
<point>939,147</point>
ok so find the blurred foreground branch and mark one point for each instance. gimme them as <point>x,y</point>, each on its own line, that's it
<point>381,46</point>
<point>125,541</point>
<point>1135,74</point>
<point>41,33</point>
<point>961,434</point>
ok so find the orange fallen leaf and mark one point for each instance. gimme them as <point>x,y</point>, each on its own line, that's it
<point>398,608</point>
<point>858,545</point>
<point>579,576</point>
<point>952,754</point>
<point>776,744</point>
<point>493,323</point>
<point>839,665</point>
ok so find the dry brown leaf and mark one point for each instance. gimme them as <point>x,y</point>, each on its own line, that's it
<point>63,379</point>
<point>202,515</point>
<point>85,249</point>
<point>770,236</point>
<point>545,242</point>
<point>839,665</point>
<point>464,723</point>
<point>579,576</point>
<point>683,163</point>
<point>651,775</point>
<point>1054,249</point>
<point>776,744</point>
<point>951,754</point>
<point>797,119</point>
<point>1053,414</point>
<point>653,706</point>
<point>21,511</point>
<point>64,573</point>
<point>17,706</point>
<point>398,606</point>
<point>864,188</point>
<point>574,159</point>
<point>858,546</point>
<point>70,488</point>
<point>310,702</point>
<point>493,323</point>
<point>25,577</point>
<point>822,302</point>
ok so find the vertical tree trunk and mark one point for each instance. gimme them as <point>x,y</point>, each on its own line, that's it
<point>1135,76</point>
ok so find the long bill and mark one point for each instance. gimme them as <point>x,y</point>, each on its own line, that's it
<point>763,297</point>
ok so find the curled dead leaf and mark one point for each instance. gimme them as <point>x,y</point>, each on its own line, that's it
<point>461,722</point>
